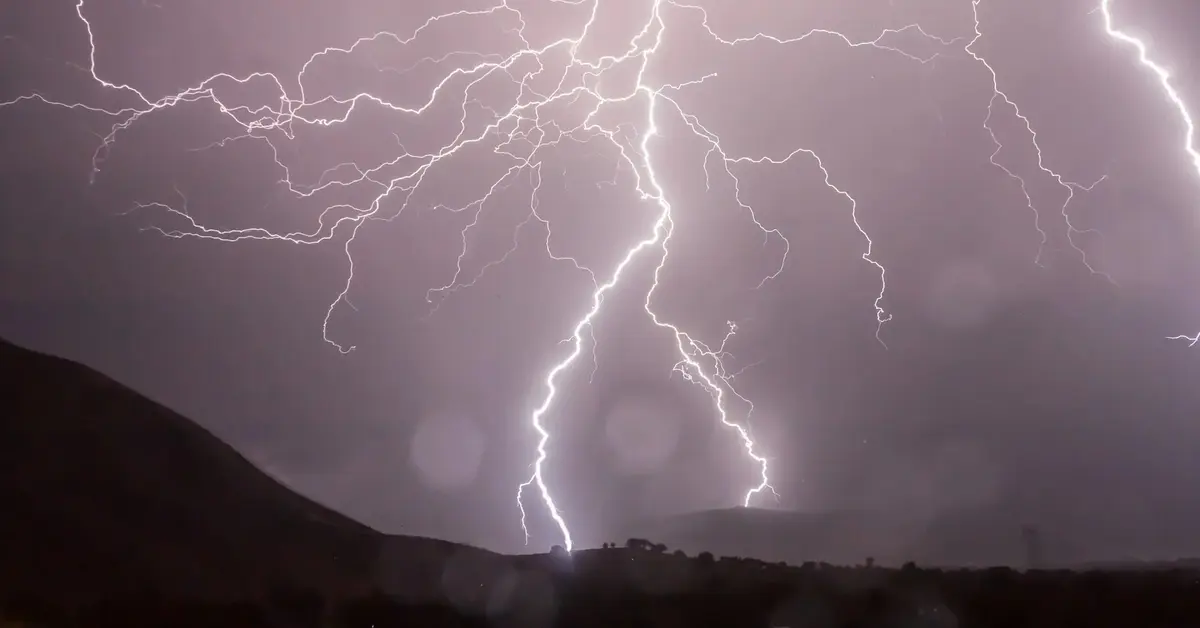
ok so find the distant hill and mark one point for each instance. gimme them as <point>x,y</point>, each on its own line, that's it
<point>953,539</point>
<point>976,537</point>
<point>103,492</point>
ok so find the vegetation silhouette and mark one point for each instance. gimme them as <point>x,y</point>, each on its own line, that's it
<point>641,586</point>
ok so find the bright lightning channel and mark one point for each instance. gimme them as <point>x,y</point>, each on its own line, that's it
<point>525,131</point>
<point>1188,141</point>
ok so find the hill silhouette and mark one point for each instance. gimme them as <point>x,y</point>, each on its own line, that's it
<point>980,537</point>
<point>953,538</point>
<point>106,496</point>
<point>105,492</point>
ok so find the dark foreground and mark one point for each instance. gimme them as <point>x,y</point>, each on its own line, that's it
<point>627,588</point>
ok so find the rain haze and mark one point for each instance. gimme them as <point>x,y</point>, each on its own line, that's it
<point>1024,366</point>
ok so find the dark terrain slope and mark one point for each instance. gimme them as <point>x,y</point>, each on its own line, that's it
<point>103,491</point>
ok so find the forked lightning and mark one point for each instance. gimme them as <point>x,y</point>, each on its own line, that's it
<point>522,133</point>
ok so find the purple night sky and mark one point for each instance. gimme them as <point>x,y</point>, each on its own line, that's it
<point>199,262</point>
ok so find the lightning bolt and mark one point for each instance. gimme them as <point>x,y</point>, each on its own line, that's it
<point>1188,141</point>
<point>524,132</point>
<point>1069,187</point>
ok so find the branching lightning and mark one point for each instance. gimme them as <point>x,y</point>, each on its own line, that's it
<point>523,134</point>
<point>1069,187</point>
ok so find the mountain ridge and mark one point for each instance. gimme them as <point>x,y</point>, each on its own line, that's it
<point>106,492</point>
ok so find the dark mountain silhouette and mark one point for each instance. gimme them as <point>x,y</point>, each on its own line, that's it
<point>107,495</point>
<point>104,492</point>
